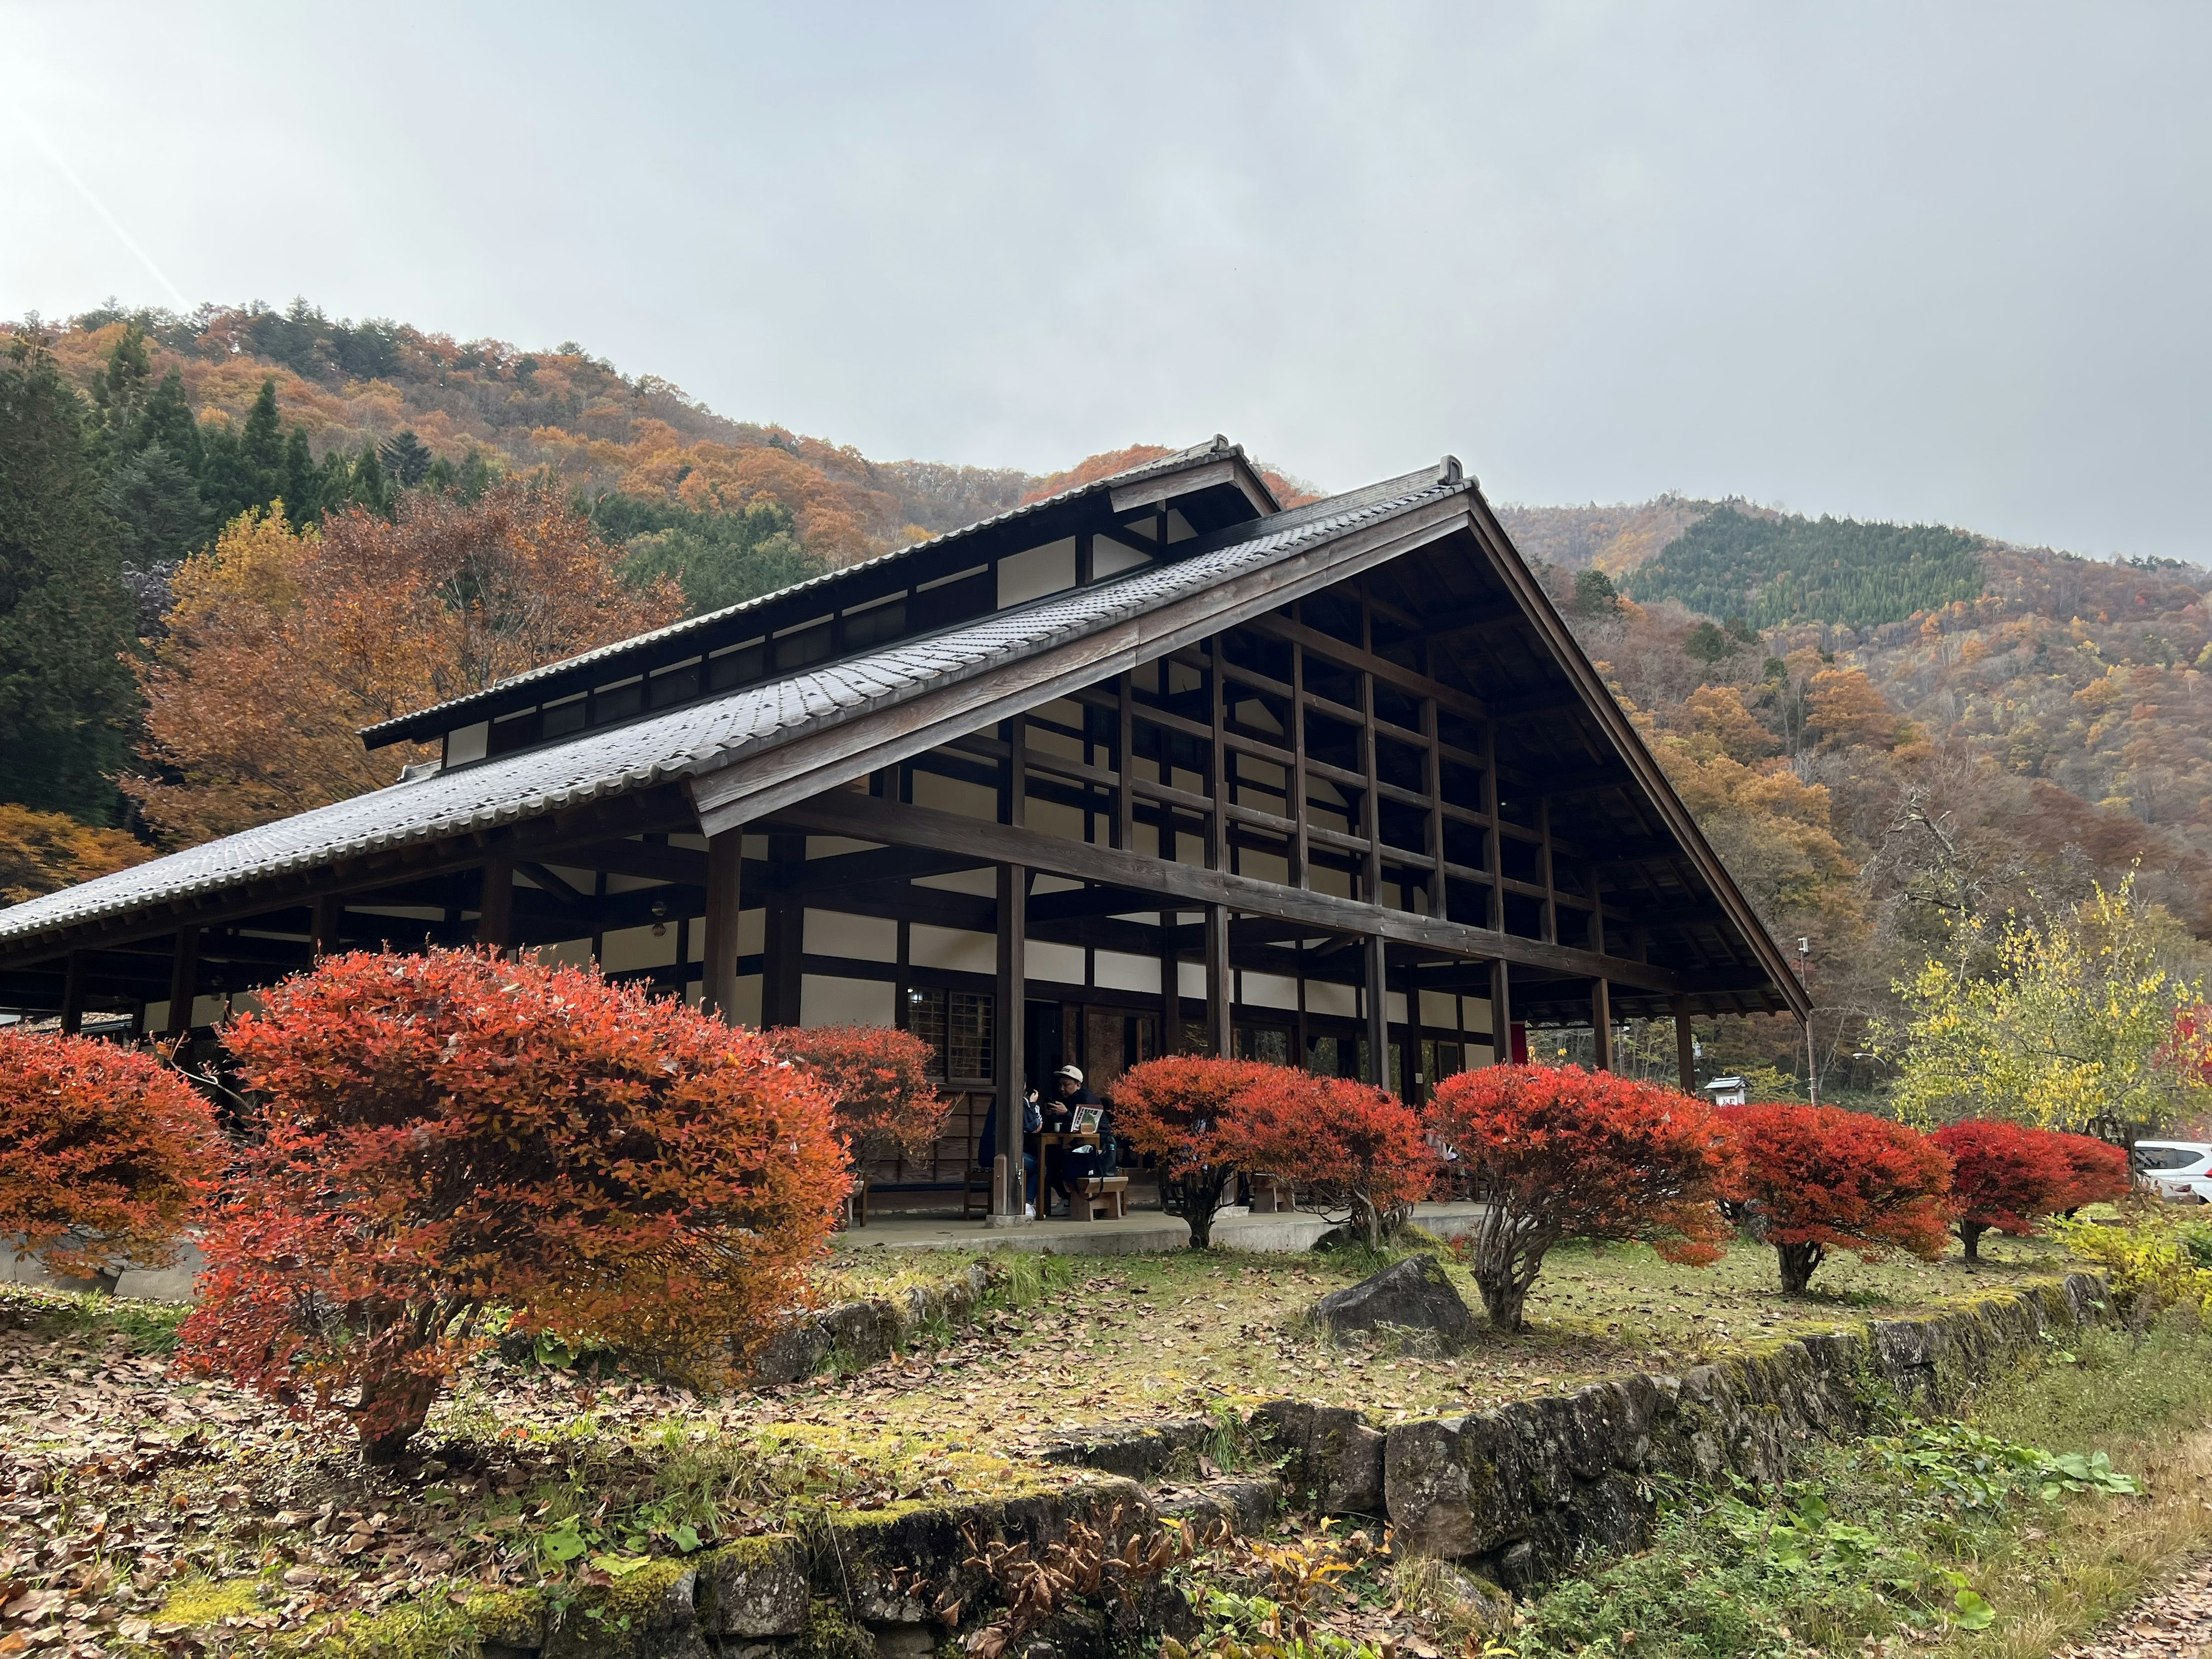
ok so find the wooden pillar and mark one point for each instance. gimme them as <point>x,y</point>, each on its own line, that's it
<point>328,923</point>
<point>1371,802</point>
<point>1220,1036</point>
<point>1409,1052</point>
<point>1378,1012</point>
<point>1125,767</point>
<point>496,905</point>
<point>1297,801</point>
<point>1501,1014</point>
<point>1686,1052</point>
<point>1494,839</point>
<point>726,865</point>
<point>1601,992</point>
<point>783,942</point>
<point>1439,897</point>
<point>1170,985</point>
<point>1012,1067</point>
<point>1217,775</point>
<point>73,994</point>
<point>184,982</point>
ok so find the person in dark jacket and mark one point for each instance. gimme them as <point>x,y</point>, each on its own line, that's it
<point>1077,1163</point>
<point>987,1148</point>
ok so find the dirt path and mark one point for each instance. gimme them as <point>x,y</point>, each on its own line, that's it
<point>2174,1623</point>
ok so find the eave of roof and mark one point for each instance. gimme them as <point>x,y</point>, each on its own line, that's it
<point>456,711</point>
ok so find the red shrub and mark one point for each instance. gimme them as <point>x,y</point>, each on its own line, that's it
<point>446,1134</point>
<point>2006,1175</point>
<point>1819,1175</point>
<point>1354,1148</point>
<point>1171,1110</point>
<point>886,1104</point>
<point>100,1149</point>
<point>1561,1153</point>
<point>2100,1170</point>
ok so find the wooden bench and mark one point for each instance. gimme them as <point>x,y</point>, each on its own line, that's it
<point>856,1202</point>
<point>1271,1195</point>
<point>1106,1195</point>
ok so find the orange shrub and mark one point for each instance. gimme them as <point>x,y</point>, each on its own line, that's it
<point>886,1104</point>
<point>1172,1110</point>
<point>450,1133</point>
<point>101,1150</point>
<point>1559,1153</point>
<point>1820,1177</point>
<point>1352,1147</point>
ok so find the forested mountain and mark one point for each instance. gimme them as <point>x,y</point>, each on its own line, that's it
<point>1883,728</point>
<point>1772,569</point>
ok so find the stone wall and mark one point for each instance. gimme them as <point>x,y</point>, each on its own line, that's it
<point>1524,1492</point>
<point>1521,1494</point>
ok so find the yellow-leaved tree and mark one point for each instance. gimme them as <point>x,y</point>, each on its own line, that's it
<point>2049,1024</point>
<point>281,646</point>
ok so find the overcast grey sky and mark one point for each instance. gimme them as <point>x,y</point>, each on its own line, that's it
<point>1909,261</point>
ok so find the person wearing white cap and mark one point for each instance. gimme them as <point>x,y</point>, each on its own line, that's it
<point>1077,1163</point>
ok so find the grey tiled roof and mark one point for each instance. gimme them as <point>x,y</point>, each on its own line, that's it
<point>1218,446</point>
<point>700,737</point>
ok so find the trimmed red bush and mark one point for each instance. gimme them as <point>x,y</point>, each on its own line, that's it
<point>1820,1177</point>
<point>2005,1175</point>
<point>886,1104</point>
<point>1172,1109</point>
<point>1353,1148</point>
<point>1559,1153</point>
<point>448,1134</point>
<point>100,1151</point>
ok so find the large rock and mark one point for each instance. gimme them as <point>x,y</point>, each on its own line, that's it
<point>1135,1451</point>
<point>1413,1296</point>
<point>754,1587</point>
<point>1334,1455</point>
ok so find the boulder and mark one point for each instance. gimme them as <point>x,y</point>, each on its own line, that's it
<point>754,1587</point>
<point>1135,1451</point>
<point>1334,1453</point>
<point>1246,1502</point>
<point>1412,1295</point>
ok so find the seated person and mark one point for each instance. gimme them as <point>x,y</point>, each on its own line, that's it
<point>1077,1163</point>
<point>987,1147</point>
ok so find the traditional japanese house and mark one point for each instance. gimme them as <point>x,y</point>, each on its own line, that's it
<point>1153,764</point>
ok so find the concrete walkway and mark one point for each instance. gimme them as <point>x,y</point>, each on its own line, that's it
<point>1140,1231</point>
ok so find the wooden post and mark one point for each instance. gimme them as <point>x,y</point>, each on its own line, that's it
<point>1216,768</point>
<point>1220,1036</point>
<point>726,864</point>
<point>1013,884</point>
<point>1125,786</point>
<point>329,922</point>
<point>1409,1053</point>
<point>1170,985</point>
<point>1601,992</point>
<point>1493,840</point>
<point>495,904</point>
<point>184,982</point>
<point>1378,1013</point>
<point>73,994</point>
<point>1432,722</point>
<point>1371,802</point>
<point>1297,802</point>
<point>1501,1014</point>
<point>1686,1053</point>
<point>783,941</point>
<point>1551,885</point>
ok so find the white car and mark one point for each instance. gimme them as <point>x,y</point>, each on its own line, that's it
<point>2178,1170</point>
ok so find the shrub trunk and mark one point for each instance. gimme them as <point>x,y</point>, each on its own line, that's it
<point>1970,1235</point>
<point>1798,1262</point>
<point>1196,1196</point>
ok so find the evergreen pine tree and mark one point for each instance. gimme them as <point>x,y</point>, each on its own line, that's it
<point>406,460</point>
<point>156,506</point>
<point>370,489</point>
<point>302,491</point>
<point>65,617</point>
<point>262,446</point>
<point>167,420</point>
<point>119,392</point>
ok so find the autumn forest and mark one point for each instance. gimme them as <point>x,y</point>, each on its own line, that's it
<point>229,540</point>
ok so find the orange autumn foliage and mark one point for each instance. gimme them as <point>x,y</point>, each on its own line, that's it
<point>281,646</point>
<point>40,851</point>
<point>452,1132</point>
<point>101,1149</point>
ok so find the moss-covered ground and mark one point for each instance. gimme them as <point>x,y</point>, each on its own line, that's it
<point>140,1512</point>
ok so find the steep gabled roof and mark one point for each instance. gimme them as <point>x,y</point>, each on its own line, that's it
<point>700,737</point>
